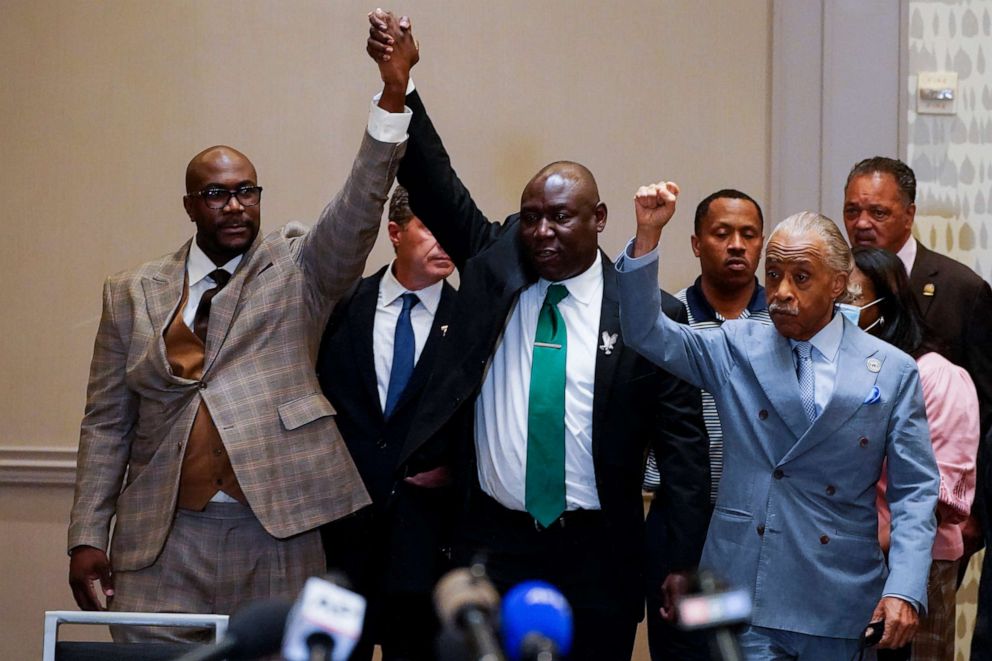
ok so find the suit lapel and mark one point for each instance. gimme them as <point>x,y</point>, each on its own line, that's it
<point>776,372</point>
<point>853,383</point>
<point>361,326</point>
<point>606,363</point>
<point>224,304</point>
<point>163,290</point>
<point>490,284</point>
<point>422,370</point>
<point>923,281</point>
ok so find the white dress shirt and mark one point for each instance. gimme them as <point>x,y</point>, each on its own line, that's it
<point>502,405</point>
<point>908,254</point>
<point>387,312</point>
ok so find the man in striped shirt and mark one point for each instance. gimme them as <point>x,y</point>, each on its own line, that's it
<point>727,239</point>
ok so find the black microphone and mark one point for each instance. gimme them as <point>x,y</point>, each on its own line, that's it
<point>254,631</point>
<point>468,602</point>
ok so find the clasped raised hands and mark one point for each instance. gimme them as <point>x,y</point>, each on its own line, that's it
<point>392,46</point>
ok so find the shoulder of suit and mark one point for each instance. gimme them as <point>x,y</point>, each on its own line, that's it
<point>291,230</point>
<point>952,269</point>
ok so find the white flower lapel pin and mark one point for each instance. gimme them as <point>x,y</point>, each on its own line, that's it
<point>609,340</point>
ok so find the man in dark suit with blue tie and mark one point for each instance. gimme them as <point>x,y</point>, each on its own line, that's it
<point>547,411</point>
<point>374,361</point>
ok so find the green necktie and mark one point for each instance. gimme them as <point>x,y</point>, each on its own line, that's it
<point>545,494</point>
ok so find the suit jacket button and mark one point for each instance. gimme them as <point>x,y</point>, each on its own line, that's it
<point>202,385</point>
<point>863,442</point>
<point>824,539</point>
<point>831,490</point>
<point>381,444</point>
<point>761,529</point>
<point>778,474</point>
<point>762,414</point>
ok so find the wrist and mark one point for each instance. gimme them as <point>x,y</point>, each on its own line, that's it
<point>393,98</point>
<point>645,240</point>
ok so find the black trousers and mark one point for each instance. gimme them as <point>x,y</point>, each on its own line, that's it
<point>577,555</point>
<point>401,620</point>
<point>665,640</point>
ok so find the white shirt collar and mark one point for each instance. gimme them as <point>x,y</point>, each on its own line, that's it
<point>581,287</point>
<point>827,339</point>
<point>390,289</point>
<point>199,266</point>
<point>908,254</point>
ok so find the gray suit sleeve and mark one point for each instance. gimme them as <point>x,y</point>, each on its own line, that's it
<point>105,434</point>
<point>333,253</point>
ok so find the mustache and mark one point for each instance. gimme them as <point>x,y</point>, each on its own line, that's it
<point>782,308</point>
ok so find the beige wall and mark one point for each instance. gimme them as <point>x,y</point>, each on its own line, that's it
<point>103,103</point>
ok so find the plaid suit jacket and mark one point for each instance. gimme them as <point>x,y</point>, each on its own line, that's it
<point>258,381</point>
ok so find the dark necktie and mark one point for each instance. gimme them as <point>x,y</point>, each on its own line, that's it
<point>544,495</point>
<point>404,347</point>
<point>202,317</point>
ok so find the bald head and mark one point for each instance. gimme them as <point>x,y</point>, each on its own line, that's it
<point>560,220</point>
<point>213,160</point>
<point>226,232</point>
<point>576,175</point>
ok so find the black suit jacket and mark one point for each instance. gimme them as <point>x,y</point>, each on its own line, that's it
<point>957,305</point>
<point>636,405</point>
<point>413,518</point>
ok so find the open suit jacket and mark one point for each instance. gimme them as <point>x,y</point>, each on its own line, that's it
<point>795,520</point>
<point>346,370</point>
<point>258,381</point>
<point>957,305</point>
<point>635,404</point>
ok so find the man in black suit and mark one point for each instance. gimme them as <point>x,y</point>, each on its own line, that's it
<point>879,209</point>
<point>548,412</point>
<point>375,357</point>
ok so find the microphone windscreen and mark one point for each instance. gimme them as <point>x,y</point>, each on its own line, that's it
<point>535,612</point>
<point>257,629</point>
<point>460,589</point>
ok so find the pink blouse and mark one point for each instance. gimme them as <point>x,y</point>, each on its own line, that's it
<point>952,413</point>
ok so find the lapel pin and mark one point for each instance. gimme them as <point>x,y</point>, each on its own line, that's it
<point>874,365</point>
<point>444,330</point>
<point>929,289</point>
<point>608,342</point>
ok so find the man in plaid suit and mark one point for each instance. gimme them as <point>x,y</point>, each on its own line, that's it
<point>205,432</point>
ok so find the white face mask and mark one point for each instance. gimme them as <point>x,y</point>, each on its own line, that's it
<point>853,313</point>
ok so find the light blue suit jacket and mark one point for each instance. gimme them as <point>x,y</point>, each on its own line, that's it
<point>795,519</point>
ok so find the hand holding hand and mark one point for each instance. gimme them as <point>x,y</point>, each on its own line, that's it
<point>88,564</point>
<point>392,46</point>
<point>654,206</point>
<point>901,621</point>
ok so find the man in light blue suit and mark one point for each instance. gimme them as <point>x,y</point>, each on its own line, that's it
<point>820,406</point>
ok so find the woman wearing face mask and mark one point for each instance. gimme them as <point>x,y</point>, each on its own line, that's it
<point>889,312</point>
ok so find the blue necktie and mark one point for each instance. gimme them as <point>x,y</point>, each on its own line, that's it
<point>807,384</point>
<point>403,350</point>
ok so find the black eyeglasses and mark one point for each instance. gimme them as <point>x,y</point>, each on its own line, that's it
<point>217,198</point>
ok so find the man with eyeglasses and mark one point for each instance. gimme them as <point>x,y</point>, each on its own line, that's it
<point>206,439</point>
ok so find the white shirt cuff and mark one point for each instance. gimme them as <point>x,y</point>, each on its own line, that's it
<point>389,126</point>
<point>626,262</point>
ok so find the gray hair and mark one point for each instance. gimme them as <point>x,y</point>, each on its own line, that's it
<point>838,258</point>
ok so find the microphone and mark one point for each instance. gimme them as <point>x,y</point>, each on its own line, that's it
<point>536,623</point>
<point>253,632</point>
<point>325,623</point>
<point>467,602</point>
